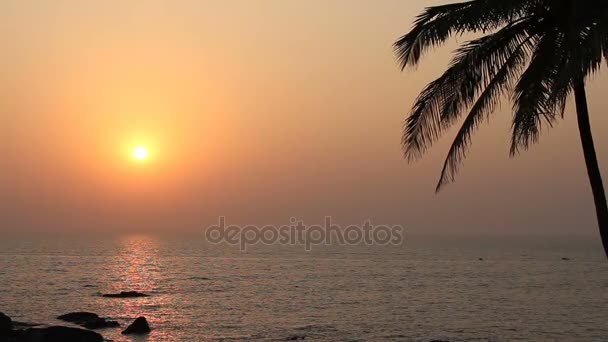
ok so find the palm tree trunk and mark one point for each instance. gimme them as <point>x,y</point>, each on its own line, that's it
<point>593,169</point>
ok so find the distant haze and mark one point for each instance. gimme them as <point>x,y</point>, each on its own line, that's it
<point>258,111</point>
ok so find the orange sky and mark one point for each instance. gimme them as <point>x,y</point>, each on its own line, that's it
<point>255,110</point>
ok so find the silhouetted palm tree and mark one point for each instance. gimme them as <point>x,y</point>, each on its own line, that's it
<point>539,51</point>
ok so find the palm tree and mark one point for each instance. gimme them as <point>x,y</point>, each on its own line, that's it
<point>537,51</point>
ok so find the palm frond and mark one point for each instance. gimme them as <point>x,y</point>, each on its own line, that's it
<point>531,95</point>
<point>483,107</point>
<point>476,63</point>
<point>443,100</point>
<point>438,23</point>
<point>561,59</point>
<point>581,54</point>
<point>589,47</point>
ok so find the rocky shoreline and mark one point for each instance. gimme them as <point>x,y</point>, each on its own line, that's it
<point>12,331</point>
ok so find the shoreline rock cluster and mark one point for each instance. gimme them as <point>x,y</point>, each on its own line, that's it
<point>11,331</point>
<point>8,333</point>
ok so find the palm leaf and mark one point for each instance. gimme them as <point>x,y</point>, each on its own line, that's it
<point>443,100</point>
<point>437,24</point>
<point>481,110</point>
<point>531,95</point>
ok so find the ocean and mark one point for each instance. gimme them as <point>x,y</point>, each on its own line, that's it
<point>462,288</point>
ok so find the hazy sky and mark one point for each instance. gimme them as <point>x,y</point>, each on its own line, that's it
<point>255,110</point>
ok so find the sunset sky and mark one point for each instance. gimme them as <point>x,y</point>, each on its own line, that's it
<point>258,111</point>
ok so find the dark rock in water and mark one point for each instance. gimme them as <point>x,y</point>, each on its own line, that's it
<point>88,320</point>
<point>13,336</point>
<point>100,323</point>
<point>139,326</point>
<point>480,259</point>
<point>6,324</point>
<point>296,338</point>
<point>565,259</point>
<point>79,318</point>
<point>59,334</point>
<point>125,294</point>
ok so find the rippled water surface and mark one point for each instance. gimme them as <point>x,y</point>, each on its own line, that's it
<point>426,289</point>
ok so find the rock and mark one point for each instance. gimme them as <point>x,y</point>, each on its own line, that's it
<point>60,334</point>
<point>296,338</point>
<point>480,259</point>
<point>13,336</point>
<point>139,326</point>
<point>100,323</point>
<point>6,324</point>
<point>125,294</point>
<point>566,259</point>
<point>79,318</point>
<point>88,320</point>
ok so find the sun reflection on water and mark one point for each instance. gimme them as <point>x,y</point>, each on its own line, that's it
<point>137,267</point>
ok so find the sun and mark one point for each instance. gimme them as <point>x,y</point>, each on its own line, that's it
<point>140,152</point>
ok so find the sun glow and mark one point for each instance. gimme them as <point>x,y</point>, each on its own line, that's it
<point>140,152</point>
